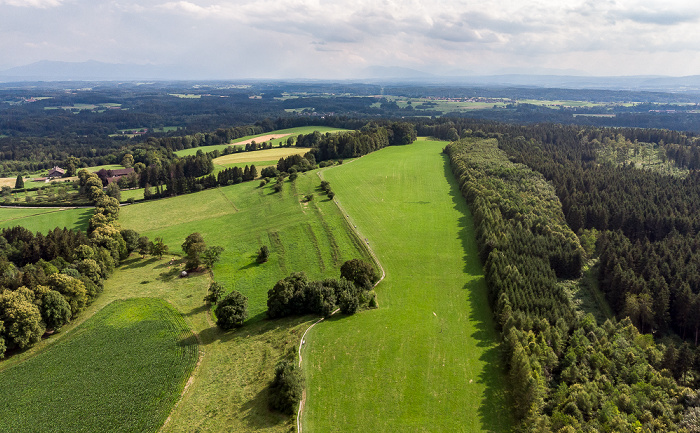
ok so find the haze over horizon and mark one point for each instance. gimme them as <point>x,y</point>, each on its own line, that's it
<point>219,39</point>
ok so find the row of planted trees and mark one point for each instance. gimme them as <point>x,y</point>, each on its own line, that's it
<point>566,372</point>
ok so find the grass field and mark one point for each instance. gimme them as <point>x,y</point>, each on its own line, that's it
<point>275,142</point>
<point>121,370</point>
<point>44,220</point>
<point>427,359</point>
<point>302,236</point>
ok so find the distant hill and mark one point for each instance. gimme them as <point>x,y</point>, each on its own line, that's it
<point>91,70</point>
<point>100,71</point>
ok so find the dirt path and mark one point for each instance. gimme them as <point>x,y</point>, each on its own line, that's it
<point>356,231</point>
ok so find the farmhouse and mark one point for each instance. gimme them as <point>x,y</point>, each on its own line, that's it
<point>56,171</point>
<point>109,176</point>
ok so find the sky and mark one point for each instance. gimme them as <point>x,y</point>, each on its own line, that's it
<point>343,38</point>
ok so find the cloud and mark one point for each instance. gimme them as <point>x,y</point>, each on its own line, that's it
<point>42,4</point>
<point>662,18</point>
<point>188,8</point>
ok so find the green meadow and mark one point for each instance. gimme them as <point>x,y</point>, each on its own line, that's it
<point>427,359</point>
<point>121,370</point>
<point>275,142</point>
<point>302,236</point>
<point>45,219</point>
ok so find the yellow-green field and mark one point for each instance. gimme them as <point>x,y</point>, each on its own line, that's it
<point>259,138</point>
<point>260,155</point>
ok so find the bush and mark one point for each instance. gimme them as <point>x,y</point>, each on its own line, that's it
<point>286,388</point>
<point>232,311</point>
<point>263,254</point>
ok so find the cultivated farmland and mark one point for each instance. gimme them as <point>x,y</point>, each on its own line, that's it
<point>282,135</point>
<point>121,370</point>
<point>427,359</point>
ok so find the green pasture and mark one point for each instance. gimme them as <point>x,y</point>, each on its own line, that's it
<point>302,236</point>
<point>137,194</point>
<point>45,219</point>
<point>121,370</point>
<point>275,142</point>
<point>427,359</point>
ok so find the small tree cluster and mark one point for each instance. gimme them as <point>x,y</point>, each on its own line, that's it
<point>326,187</point>
<point>296,295</point>
<point>197,252</point>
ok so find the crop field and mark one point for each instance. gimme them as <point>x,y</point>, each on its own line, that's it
<point>121,370</point>
<point>44,220</point>
<point>427,359</point>
<point>283,133</point>
<point>302,236</point>
<point>259,156</point>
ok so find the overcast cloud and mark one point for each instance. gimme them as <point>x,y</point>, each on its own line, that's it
<point>340,38</point>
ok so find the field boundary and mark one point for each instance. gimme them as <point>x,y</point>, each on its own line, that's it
<point>195,370</point>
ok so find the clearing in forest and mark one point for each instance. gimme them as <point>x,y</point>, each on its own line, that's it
<point>428,358</point>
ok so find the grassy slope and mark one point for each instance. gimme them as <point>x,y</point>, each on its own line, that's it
<point>427,359</point>
<point>44,220</point>
<point>293,131</point>
<point>306,237</point>
<point>230,389</point>
<point>122,370</point>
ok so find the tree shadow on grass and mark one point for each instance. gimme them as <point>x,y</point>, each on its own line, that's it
<point>257,414</point>
<point>249,265</point>
<point>83,221</point>
<point>169,264</point>
<point>254,327</point>
<point>196,310</point>
<point>494,409</point>
<point>137,262</point>
<point>190,340</point>
<point>170,275</point>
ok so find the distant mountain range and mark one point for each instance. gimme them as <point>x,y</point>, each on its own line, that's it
<point>100,71</point>
<point>91,70</point>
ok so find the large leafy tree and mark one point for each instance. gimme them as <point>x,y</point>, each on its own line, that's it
<point>193,247</point>
<point>232,311</point>
<point>21,318</point>
<point>359,272</point>
<point>55,311</point>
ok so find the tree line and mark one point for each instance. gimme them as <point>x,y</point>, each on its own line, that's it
<point>565,370</point>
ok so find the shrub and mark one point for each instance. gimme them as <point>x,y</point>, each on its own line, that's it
<point>232,311</point>
<point>286,387</point>
<point>263,254</point>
